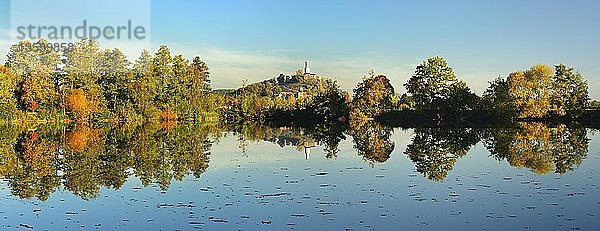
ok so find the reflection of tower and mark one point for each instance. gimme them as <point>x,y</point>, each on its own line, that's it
<point>306,68</point>
<point>308,144</point>
<point>307,152</point>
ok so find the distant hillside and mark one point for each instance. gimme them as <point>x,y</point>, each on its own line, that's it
<point>309,83</point>
<point>225,91</point>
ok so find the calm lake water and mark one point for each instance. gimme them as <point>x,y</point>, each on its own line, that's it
<point>206,177</point>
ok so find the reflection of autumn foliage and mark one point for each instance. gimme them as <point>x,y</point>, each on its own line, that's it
<point>161,155</point>
<point>37,154</point>
<point>82,138</point>
<point>35,173</point>
<point>82,177</point>
<point>540,148</point>
<point>89,161</point>
<point>372,141</point>
<point>8,158</point>
<point>168,115</point>
<point>168,125</point>
<point>531,148</point>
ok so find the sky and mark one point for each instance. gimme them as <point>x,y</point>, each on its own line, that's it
<point>257,40</point>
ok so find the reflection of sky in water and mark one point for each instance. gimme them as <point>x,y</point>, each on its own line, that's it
<point>277,188</point>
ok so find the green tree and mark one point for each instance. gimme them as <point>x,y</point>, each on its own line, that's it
<point>330,106</point>
<point>570,91</point>
<point>115,78</point>
<point>434,86</point>
<point>162,70</point>
<point>460,98</point>
<point>497,99</point>
<point>593,104</point>
<point>145,88</point>
<point>198,84</point>
<point>27,57</point>
<point>83,64</point>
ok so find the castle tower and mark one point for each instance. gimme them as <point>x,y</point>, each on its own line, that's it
<point>306,68</point>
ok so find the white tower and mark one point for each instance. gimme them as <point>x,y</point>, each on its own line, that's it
<point>306,68</point>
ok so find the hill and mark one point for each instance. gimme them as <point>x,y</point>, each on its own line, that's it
<point>310,84</point>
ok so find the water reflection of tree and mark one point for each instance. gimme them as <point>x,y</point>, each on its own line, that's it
<point>86,158</point>
<point>8,157</point>
<point>434,151</point>
<point>35,168</point>
<point>372,140</point>
<point>81,162</point>
<point>163,154</point>
<point>329,136</point>
<point>538,147</point>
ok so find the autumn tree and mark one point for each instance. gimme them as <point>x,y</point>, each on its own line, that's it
<point>373,96</point>
<point>8,103</point>
<point>82,70</point>
<point>37,91</point>
<point>78,104</point>
<point>33,65</point>
<point>531,91</point>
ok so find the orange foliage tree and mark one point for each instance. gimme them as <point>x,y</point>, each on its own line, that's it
<point>78,103</point>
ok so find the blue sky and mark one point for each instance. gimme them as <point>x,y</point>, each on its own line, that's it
<point>256,40</point>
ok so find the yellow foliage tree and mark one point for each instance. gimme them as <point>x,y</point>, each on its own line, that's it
<point>531,90</point>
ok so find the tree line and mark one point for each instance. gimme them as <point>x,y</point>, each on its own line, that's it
<point>538,93</point>
<point>88,83</point>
